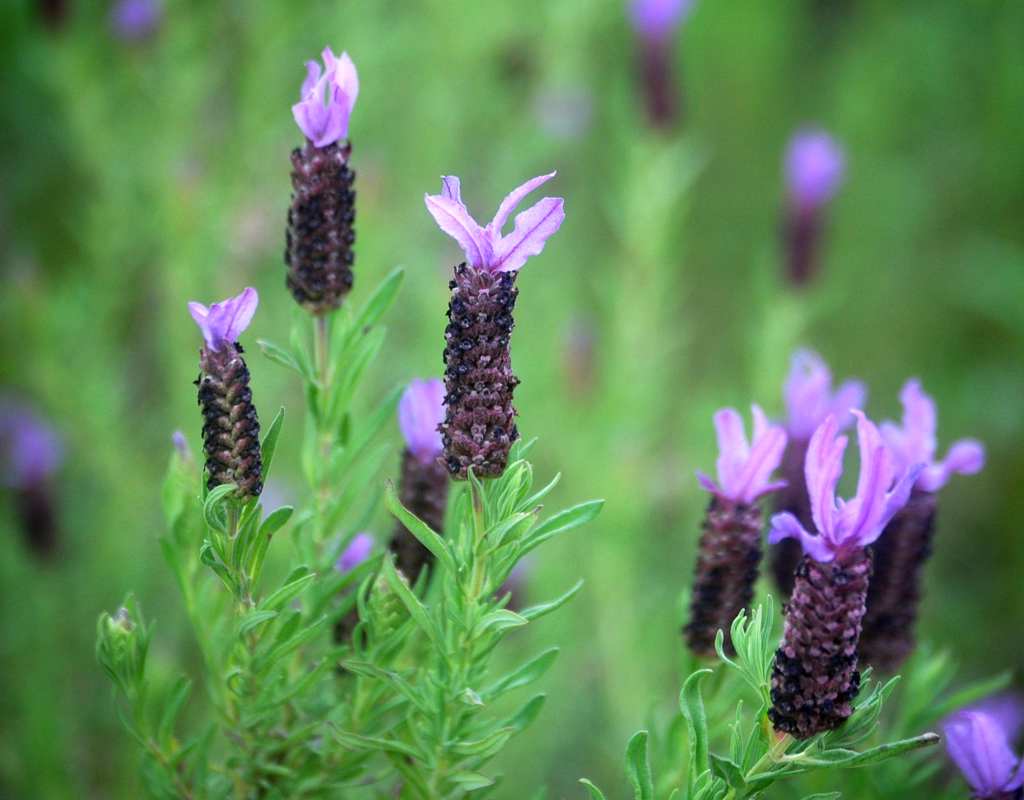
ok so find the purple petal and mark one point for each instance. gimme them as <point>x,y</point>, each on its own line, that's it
<point>965,457</point>
<point>346,78</point>
<point>765,456</point>
<point>356,553</point>
<point>809,398</point>
<point>850,395</point>
<point>814,168</point>
<point>451,187</point>
<point>31,449</point>
<point>658,19</point>
<point>420,411</point>
<point>133,20</point>
<point>514,198</point>
<point>225,321</point>
<point>532,229</point>
<point>312,78</point>
<point>323,125</point>
<point>980,749</point>
<point>787,526</point>
<point>822,468</point>
<point>733,449</point>
<point>707,484</point>
<point>453,218</point>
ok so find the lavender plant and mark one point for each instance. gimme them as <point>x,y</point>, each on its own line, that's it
<point>338,670</point>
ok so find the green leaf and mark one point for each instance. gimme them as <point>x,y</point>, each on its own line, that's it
<point>542,609</point>
<point>356,741</point>
<point>175,702</point>
<point>501,620</point>
<point>824,796</point>
<point>527,714</point>
<point>269,446</point>
<point>212,511</point>
<point>418,528</point>
<point>485,747</point>
<point>280,356</point>
<point>276,520</point>
<point>727,770</point>
<point>416,609</point>
<point>471,781</point>
<point>637,769</point>
<point>562,522</point>
<point>692,705</point>
<point>263,663</point>
<point>593,791</point>
<point>970,694</point>
<point>876,754</point>
<point>295,583</point>
<point>254,619</point>
<point>523,676</point>
<point>381,299</point>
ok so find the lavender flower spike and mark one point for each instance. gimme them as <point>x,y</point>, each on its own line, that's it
<point>424,483</point>
<point>980,745</point>
<point>328,97</point>
<point>657,20</point>
<point>730,544</point>
<point>357,551</point>
<point>914,442</point>
<point>479,426</point>
<point>231,429</point>
<point>815,167</point>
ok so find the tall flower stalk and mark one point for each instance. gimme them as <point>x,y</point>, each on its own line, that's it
<point>479,425</point>
<point>815,676</point>
<point>730,545</point>
<point>656,23</point>
<point>901,554</point>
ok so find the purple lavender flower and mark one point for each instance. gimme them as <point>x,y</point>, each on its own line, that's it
<point>744,469</point>
<point>231,429</point>
<point>850,524</point>
<point>423,488</point>
<point>657,20</point>
<point>814,676</point>
<point>980,744</point>
<point>914,442</point>
<point>479,425</point>
<point>901,554</point>
<point>32,450</point>
<point>133,20</point>
<point>730,544</point>
<point>328,97</point>
<point>420,412</point>
<point>357,551</point>
<point>814,168</point>
<point>809,396</point>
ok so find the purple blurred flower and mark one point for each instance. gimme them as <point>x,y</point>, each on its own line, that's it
<point>356,553</point>
<point>224,322</point>
<point>857,522</point>
<point>31,449</point>
<point>914,442</point>
<point>133,20</point>
<point>485,247</point>
<point>420,411</point>
<point>327,99</point>
<point>815,166</point>
<point>744,469</point>
<point>658,19</point>
<point>181,446</point>
<point>979,740</point>
<point>809,398</point>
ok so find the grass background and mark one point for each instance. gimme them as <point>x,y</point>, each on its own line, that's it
<point>137,176</point>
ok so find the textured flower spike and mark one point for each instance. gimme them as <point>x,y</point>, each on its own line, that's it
<point>320,234</point>
<point>479,426</point>
<point>423,488</point>
<point>814,170</point>
<point>901,554</point>
<point>357,551</point>
<point>231,429</point>
<point>980,744</point>
<point>730,544</point>
<point>31,453</point>
<point>814,676</point>
<point>809,398</point>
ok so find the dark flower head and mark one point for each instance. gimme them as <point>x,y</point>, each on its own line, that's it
<point>223,322</point>
<point>485,247</point>
<point>744,469</point>
<point>845,525</point>
<point>809,396</point>
<point>136,19</point>
<point>31,448</point>
<point>979,740</point>
<point>420,411</point>
<point>357,551</point>
<point>914,442</point>
<point>327,98</point>
<point>815,166</point>
<point>658,19</point>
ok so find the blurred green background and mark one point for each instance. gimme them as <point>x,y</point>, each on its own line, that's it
<point>138,175</point>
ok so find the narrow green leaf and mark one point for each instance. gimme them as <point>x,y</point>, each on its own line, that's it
<point>297,581</point>
<point>970,694</point>
<point>485,747</point>
<point>254,619</point>
<point>527,714</point>
<point>501,620</point>
<point>824,796</point>
<point>471,781</point>
<point>175,702</point>
<point>562,522</point>
<point>523,676</point>
<point>543,609</point>
<point>356,741</point>
<point>418,528</point>
<point>285,648</point>
<point>728,770</point>
<point>269,446</point>
<point>593,791</point>
<point>276,520</point>
<point>279,356</point>
<point>637,769</point>
<point>416,609</point>
<point>872,756</point>
<point>212,511</point>
<point>692,705</point>
<point>381,299</point>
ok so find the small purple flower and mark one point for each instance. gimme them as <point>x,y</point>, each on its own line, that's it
<point>224,322</point>
<point>420,411</point>
<point>31,448</point>
<point>658,19</point>
<point>914,442</point>
<point>980,744</point>
<point>815,166</point>
<point>485,247</point>
<point>846,524</point>
<point>133,20</point>
<point>356,553</point>
<point>328,97</point>
<point>181,446</point>
<point>744,469</point>
<point>809,397</point>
